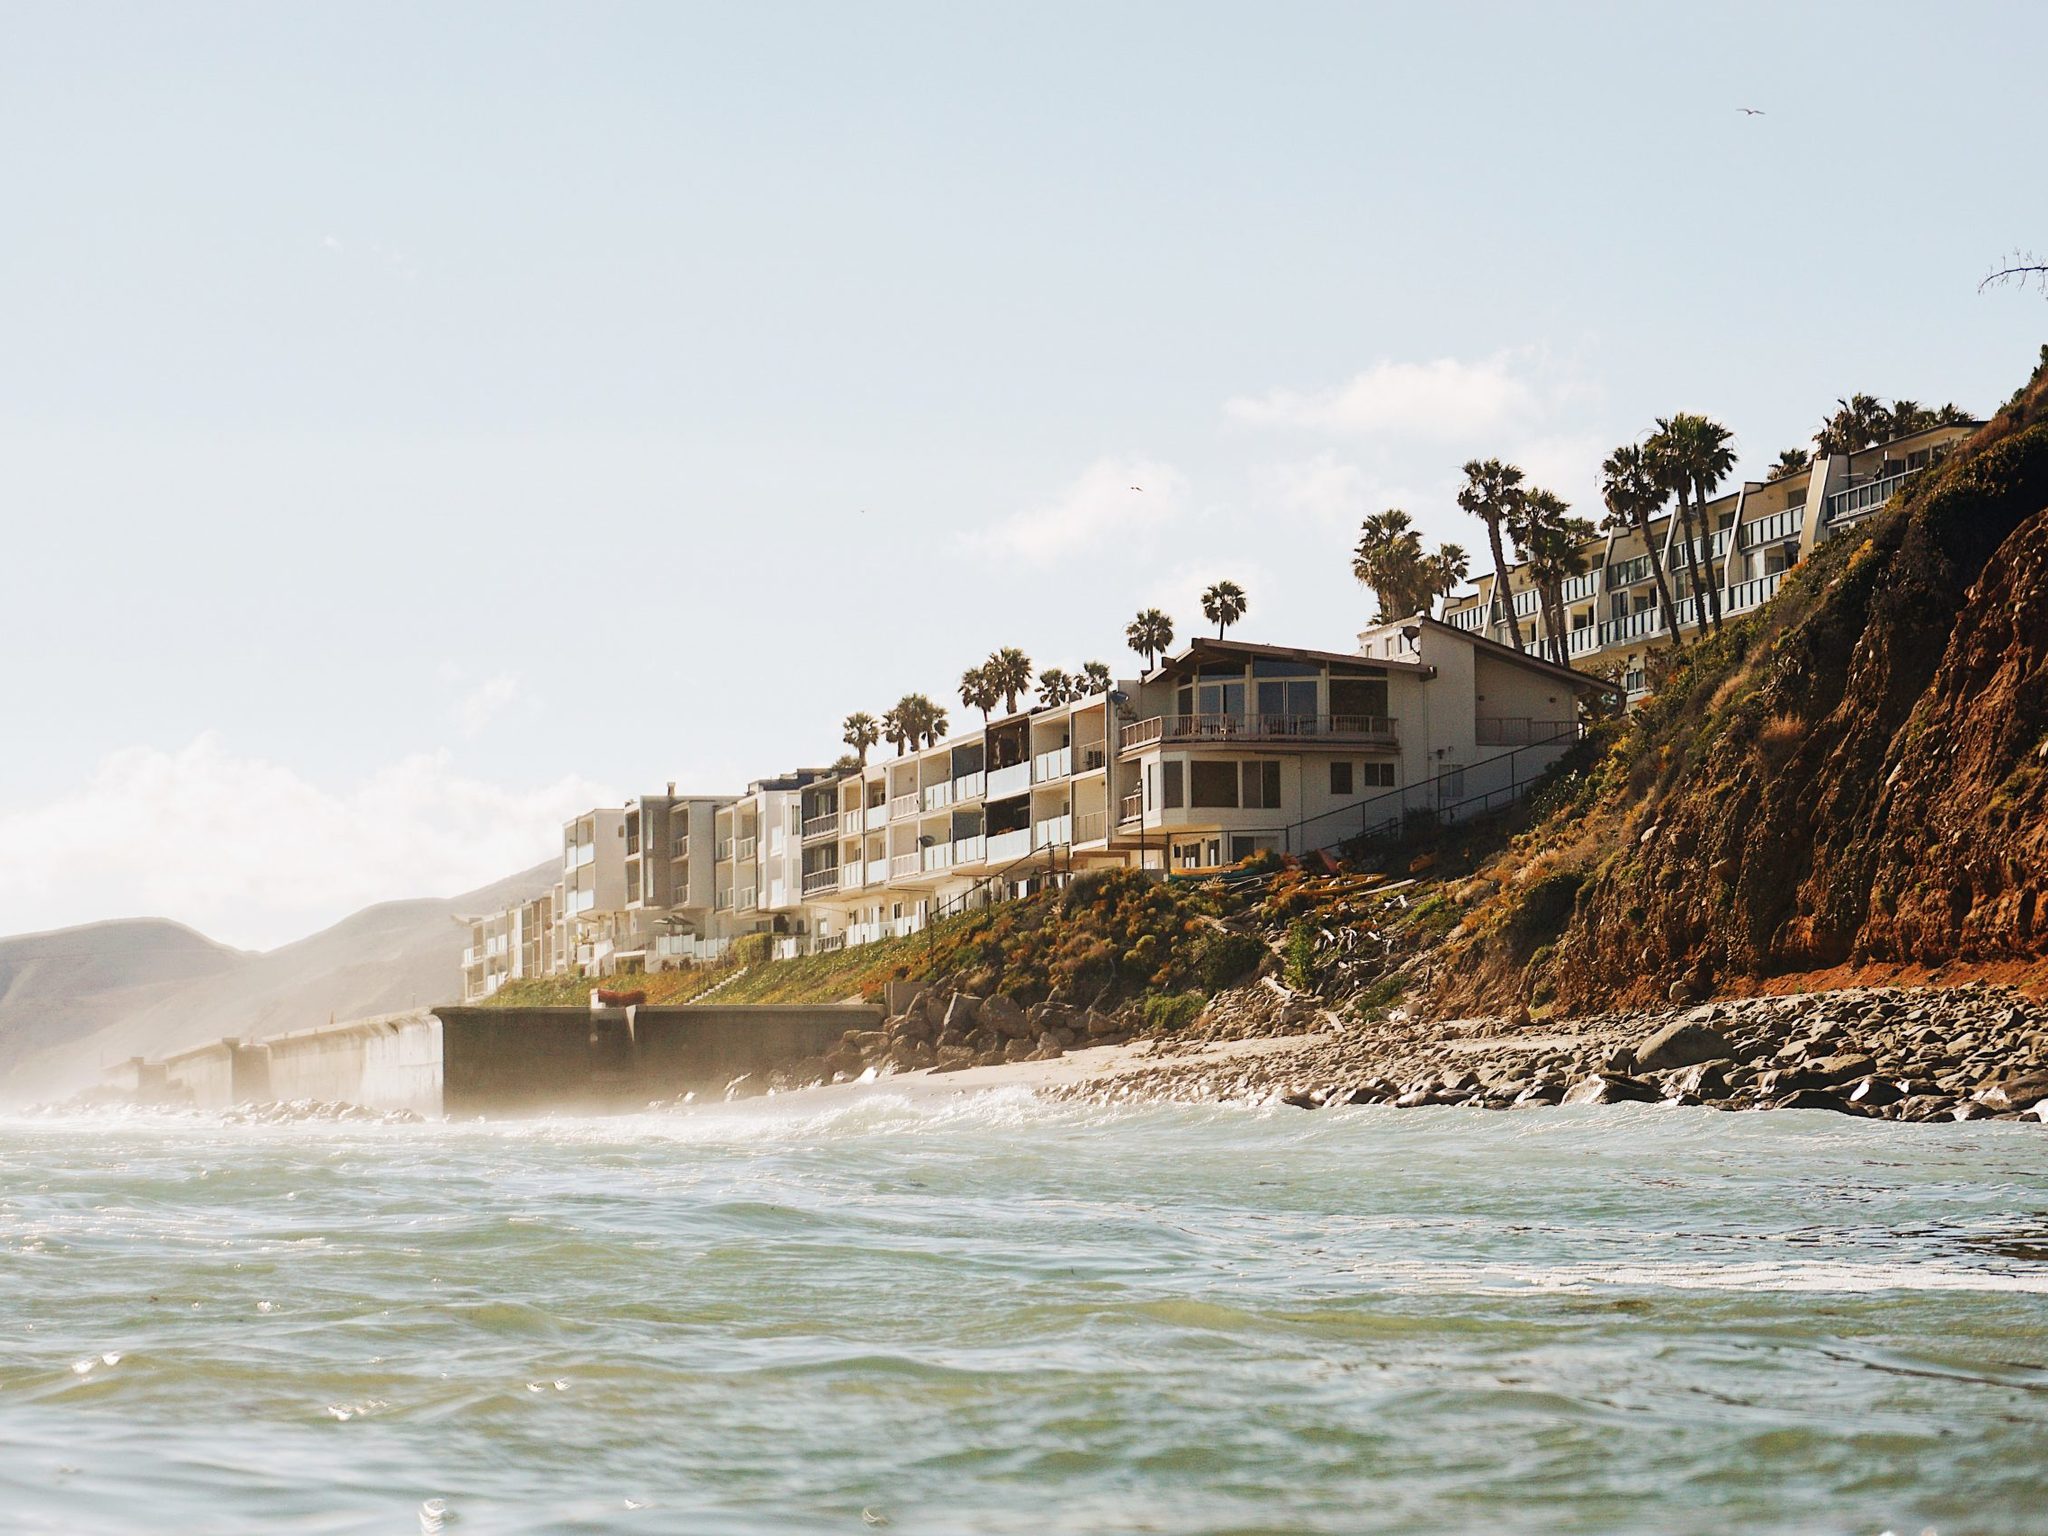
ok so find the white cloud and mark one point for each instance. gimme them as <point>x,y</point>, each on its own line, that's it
<point>485,701</point>
<point>251,853</point>
<point>1112,500</point>
<point>1445,399</point>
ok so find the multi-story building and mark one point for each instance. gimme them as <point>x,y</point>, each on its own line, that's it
<point>1234,748</point>
<point>670,881</point>
<point>959,822</point>
<point>1753,535</point>
<point>517,941</point>
<point>758,884</point>
<point>590,901</point>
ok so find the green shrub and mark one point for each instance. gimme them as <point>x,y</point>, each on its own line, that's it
<point>753,948</point>
<point>1173,1010</point>
<point>1298,955</point>
<point>1222,957</point>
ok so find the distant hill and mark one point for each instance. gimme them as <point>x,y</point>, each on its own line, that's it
<point>78,998</point>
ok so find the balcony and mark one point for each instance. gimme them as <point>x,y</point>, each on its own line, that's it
<point>936,797</point>
<point>1373,730</point>
<point>969,850</point>
<point>969,786</point>
<point>878,872</point>
<point>1626,573</point>
<point>723,900</point>
<point>850,876</point>
<point>1131,807</point>
<point>743,850</point>
<point>1094,756</point>
<point>1053,832</point>
<point>903,805</point>
<point>1013,780</point>
<point>723,854</point>
<point>681,852</point>
<point>1867,497</point>
<point>1056,764</point>
<point>1091,826</point>
<point>580,855</point>
<point>818,881</point>
<point>1778,526</point>
<point>1005,846</point>
<point>852,823</point>
<point>938,856</point>
<point>746,899</point>
<point>1745,595</point>
<point>826,825</point>
<point>1578,588</point>
<point>903,865</point>
<point>1645,621</point>
<point>1583,641</point>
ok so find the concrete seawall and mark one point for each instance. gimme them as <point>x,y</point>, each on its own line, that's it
<point>464,1061</point>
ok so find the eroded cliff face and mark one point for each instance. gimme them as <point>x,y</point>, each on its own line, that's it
<point>1859,773</point>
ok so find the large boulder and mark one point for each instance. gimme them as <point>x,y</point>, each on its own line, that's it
<point>1612,1088</point>
<point>1004,1016</point>
<point>962,1013</point>
<point>1843,1068</point>
<point>1683,1044</point>
<point>2015,1092</point>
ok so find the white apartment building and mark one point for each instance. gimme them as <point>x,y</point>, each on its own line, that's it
<point>976,816</point>
<point>758,884</point>
<point>590,900</point>
<point>1758,531</point>
<point>670,881</point>
<point>517,941</point>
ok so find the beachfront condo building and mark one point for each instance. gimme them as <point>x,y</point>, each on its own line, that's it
<point>516,941</point>
<point>1754,535</point>
<point>1227,749</point>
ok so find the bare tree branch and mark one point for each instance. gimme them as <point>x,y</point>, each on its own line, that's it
<point>2021,269</point>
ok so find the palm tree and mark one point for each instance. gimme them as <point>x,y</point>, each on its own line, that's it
<point>1634,496</point>
<point>934,718</point>
<point>1953,415</point>
<point>1857,422</point>
<point>1057,687</point>
<point>1790,462</point>
<point>1492,492</point>
<point>1389,559</point>
<point>1905,418</point>
<point>1223,605</point>
<point>1009,673</point>
<point>1702,446</point>
<point>977,692</point>
<point>1095,677</point>
<point>1445,572</point>
<point>1149,634</point>
<point>896,727</point>
<point>861,732</point>
<point>1549,542</point>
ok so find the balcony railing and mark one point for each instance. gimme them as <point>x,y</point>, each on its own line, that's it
<point>1053,832</point>
<point>969,786</point>
<point>1056,764</point>
<point>1376,729</point>
<point>1769,530</point>
<point>826,825</point>
<point>724,853</point>
<point>936,797</point>
<point>1005,846</point>
<point>1132,806</point>
<point>681,851</point>
<point>1645,621</point>
<point>1013,780</point>
<point>743,849</point>
<point>1867,497</point>
<point>723,900</point>
<point>850,875</point>
<point>746,900</point>
<point>1091,826</point>
<point>903,864</point>
<point>1517,731</point>
<point>1583,641</point>
<point>938,856</point>
<point>878,871</point>
<point>903,805</point>
<point>820,880</point>
<point>1094,756</point>
<point>970,850</point>
<point>1754,593</point>
<point>1578,588</point>
<point>850,823</point>
<point>1624,573</point>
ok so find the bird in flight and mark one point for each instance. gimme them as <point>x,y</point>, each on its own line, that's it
<point>1751,111</point>
<point>1137,488</point>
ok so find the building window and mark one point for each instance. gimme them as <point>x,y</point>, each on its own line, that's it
<point>1378,775</point>
<point>1340,779</point>
<point>1212,785</point>
<point>1261,786</point>
<point>1171,772</point>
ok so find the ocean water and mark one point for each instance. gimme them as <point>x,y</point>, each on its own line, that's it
<point>997,1315</point>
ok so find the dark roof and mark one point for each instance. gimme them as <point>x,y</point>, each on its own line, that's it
<point>1505,652</point>
<point>1202,647</point>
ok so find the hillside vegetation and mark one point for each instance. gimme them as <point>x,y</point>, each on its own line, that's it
<point>1854,776</point>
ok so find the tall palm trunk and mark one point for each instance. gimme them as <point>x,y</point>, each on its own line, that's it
<point>1664,601</point>
<point>1683,513</point>
<point>1713,575</point>
<point>1561,645</point>
<point>1500,581</point>
<point>1546,597</point>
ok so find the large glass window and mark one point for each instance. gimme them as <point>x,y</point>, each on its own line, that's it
<point>1261,786</point>
<point>1171,771</point>
<point>1284,703</point>
<point>1220,698</point>
<point>1340,779</point>
<point>1356,696</point>
<point>1212,785</point>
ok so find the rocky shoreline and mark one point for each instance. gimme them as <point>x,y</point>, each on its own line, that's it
<point>1913,1054</point>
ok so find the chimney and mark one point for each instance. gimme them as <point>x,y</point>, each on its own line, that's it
<point>671,789</point>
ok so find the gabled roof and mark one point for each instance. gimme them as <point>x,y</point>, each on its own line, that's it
<point>1202,648</point>
<point>1501,651</point>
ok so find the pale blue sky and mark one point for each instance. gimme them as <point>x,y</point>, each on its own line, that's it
<point>416,419</point>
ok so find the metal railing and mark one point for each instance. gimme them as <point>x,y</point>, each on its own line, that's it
<point>1854,500</point>
<point>1131,807</point>
<point>1779,525</point>
<point>818,880</point>
<point>1754,593</point>
<point>826,825</point>
<point>1520,731</point>
<point>1440,795</point>
<point>1373,728</point>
